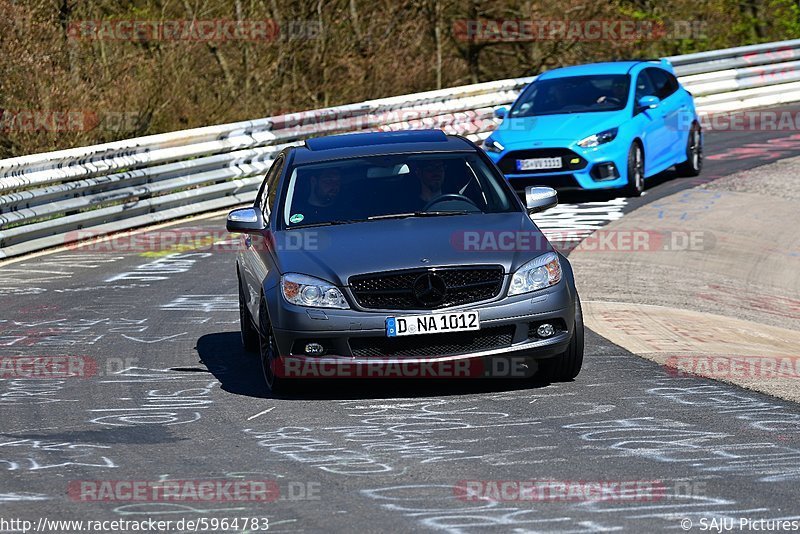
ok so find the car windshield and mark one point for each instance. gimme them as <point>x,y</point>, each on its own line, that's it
<point>395,186</point>
<point>574,94</point>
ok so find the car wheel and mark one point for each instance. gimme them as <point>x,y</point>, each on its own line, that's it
<point>567,365</point>
<point>268,351</point>
<point>246,326</point>
<point>635,185</point>
<point>694,153</point>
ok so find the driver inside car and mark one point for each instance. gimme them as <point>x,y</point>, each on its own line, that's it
<point>430,174</point>
<point>617,95</point>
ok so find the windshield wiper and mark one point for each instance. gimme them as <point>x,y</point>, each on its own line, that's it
<point>325,223</point>
<point>379,217</point>
<point>417,214</point>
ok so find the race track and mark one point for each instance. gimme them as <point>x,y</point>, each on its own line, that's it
<point>173,397</point>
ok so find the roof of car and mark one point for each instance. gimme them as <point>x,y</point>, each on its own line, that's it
<point>379,143</point>
<point>610,67</point>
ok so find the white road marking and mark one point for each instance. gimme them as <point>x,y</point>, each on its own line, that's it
<point>260,413</point>
<point>155,340</point>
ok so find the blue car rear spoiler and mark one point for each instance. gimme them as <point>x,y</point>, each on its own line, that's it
<point>665,64</point>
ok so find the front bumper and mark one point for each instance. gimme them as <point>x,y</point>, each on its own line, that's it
<point>508,327</point>
<point>589,174</point>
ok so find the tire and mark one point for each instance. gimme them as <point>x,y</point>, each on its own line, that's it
<point>635,186</point>
<point>567,365</point>
<point>246,326</point>
<point>694,154</point>
<point>268,352</point>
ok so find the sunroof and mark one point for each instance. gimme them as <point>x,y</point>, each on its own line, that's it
<point>376,138</point>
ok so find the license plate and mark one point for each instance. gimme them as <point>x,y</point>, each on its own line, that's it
<point>536,164</point>
<point>434,323</point>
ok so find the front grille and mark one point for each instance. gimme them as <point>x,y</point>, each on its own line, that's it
<point>431,345</point>
<point>508,163</point>
<point>396,290</point>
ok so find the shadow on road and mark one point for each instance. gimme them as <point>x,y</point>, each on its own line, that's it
<point>239,372</point>
<point>155,434</point>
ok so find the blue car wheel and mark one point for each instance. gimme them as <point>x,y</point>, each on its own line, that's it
<point>635,185</point>
<point>694,153</point>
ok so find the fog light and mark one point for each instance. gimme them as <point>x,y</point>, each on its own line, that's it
<point>545,330</point>
<point>604,171</point>
<point>314,349</point>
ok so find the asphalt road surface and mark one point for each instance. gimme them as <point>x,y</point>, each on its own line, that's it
<point>169,399</point>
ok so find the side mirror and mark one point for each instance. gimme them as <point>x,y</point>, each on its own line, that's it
<point>245,221</point>
<point>648,102</point>
<point>501,112</point>
<point>540,198</point>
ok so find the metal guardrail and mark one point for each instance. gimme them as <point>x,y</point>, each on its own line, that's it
<point>46,198</point>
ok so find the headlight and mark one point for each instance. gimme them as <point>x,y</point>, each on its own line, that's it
<point>490,145</point>
<point>309,291</point>
<point>539,273</point>
<point>598,139</point>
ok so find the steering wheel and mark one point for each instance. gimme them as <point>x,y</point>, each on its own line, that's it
<point>450,196</point>
<point>613,100</point>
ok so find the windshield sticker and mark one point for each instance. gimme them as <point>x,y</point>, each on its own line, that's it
<point>296,218</point>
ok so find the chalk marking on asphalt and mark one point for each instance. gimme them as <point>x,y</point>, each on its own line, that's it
<point>156,340</point>
<point>143,229</point>
<point>260,413</point>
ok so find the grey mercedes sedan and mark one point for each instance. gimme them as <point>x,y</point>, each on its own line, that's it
<point>401,254</point>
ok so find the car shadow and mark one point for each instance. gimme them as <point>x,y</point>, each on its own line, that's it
<point>661,178</point>
<point>239,373</point>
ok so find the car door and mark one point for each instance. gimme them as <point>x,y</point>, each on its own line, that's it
<point>672,108</point>
<point>651,122</point>
<point>256,257</point>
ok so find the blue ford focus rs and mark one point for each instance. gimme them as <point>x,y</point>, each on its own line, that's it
<point>598,126</point>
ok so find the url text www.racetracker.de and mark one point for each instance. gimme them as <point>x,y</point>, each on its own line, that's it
<point>195,524</point>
